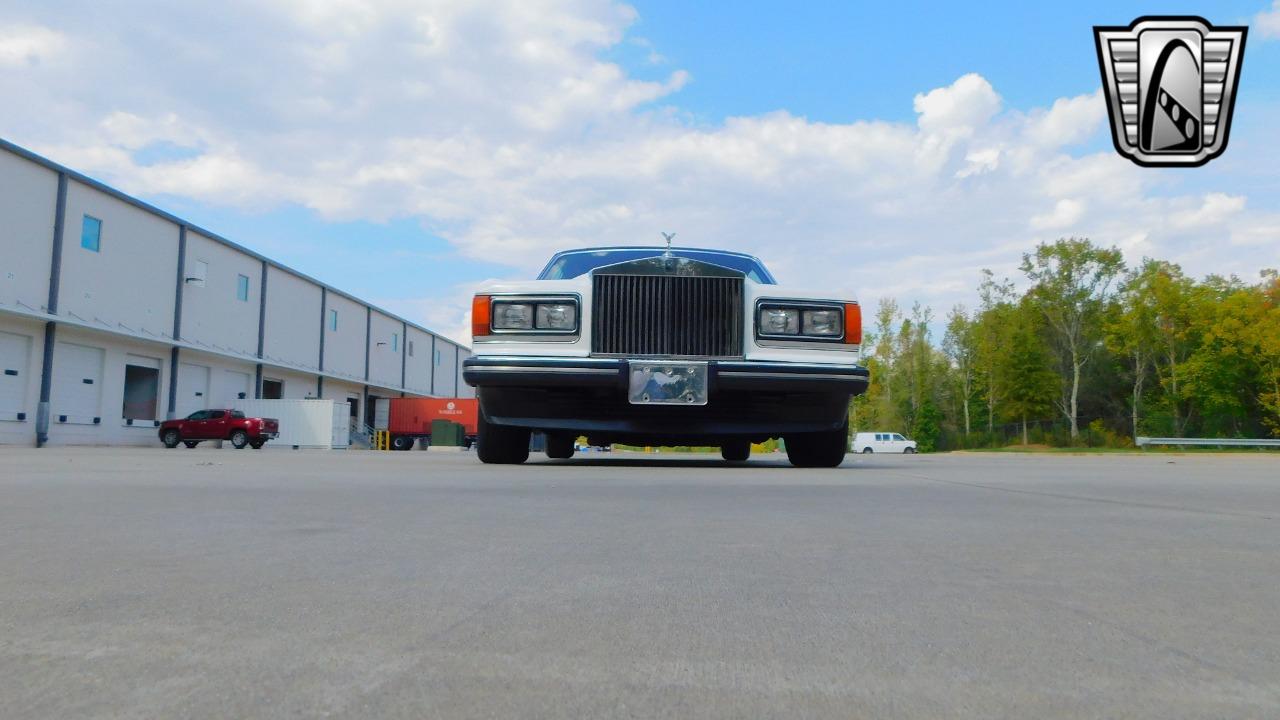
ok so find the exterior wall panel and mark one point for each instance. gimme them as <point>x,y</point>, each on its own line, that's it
<point>128,283</point>
<point>28,194</point>
<point>293,320</point>
<point>213,316</point>
<point>417,368</point>
<point>344,347</point>
<point>384,360</point>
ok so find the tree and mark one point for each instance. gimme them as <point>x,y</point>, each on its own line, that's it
<point>1031,383</point>
<point>960,346</point>
<point>1072,281</point>
<point>1131,328</point>
<point>989,332</point>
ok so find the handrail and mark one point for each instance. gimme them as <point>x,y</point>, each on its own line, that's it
<point>1209,442</point>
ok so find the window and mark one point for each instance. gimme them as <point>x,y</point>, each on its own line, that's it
<point>898,437</point>
<point>272,389</point>
<point>333,320</point>
<point>395,342</point>
<point>91,233</point>
<point>237,415</point>
<point>217,414</point>
<point>437,357</point>
<point>242,288</point>
<point>199,415</point>
<point>410,348</point>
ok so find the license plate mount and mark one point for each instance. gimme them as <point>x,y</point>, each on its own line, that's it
<point>668,383</point>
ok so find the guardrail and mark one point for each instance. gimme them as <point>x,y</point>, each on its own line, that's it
<point>1209,442</point>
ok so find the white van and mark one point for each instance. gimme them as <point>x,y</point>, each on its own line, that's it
<point>882,442</point>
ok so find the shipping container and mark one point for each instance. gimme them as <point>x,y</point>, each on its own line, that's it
<point>304,423</point>
<point>410,418</point>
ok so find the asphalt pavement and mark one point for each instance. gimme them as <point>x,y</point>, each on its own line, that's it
<point>150,583</point>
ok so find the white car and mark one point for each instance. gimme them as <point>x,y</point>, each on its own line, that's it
<point>882,442</point>
<point>663,346</point>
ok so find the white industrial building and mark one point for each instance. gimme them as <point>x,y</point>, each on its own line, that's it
<point>115,315</point>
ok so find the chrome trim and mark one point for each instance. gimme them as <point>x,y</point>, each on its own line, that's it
<point>799,339</point>
<point>791,376</point>
<point>518,335</point>
<point>542,369</point>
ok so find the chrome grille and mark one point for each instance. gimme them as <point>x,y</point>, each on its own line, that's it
<point>666,315</point>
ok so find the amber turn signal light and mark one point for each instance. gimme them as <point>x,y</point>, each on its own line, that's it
<point>480,305</point>
<point>853,324</point>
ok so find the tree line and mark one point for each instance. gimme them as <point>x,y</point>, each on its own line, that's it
<point>1092,352</point>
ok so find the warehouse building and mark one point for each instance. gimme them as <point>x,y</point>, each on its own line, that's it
<point>115,315</point>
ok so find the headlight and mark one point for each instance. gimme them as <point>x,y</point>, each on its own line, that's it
<point>779,321</point>
<point>512,316</point>
<point>823,323</point>
<point>801,320</point>
<point>556,316</point>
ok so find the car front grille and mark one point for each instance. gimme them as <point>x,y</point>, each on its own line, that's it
<point>666,316</point>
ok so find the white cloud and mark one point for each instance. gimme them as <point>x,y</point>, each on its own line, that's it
<point>499,126</point>
<point>29,45</point>
<point>1065,213</point>
<point>1267,22</point>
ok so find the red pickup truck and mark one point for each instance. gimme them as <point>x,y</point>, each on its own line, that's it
<point>219,425</point>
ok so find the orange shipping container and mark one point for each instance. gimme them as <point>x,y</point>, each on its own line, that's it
<point>413,416</point>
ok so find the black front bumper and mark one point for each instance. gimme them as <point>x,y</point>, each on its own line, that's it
<point>588,396</point>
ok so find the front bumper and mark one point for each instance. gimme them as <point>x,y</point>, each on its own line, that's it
<point>589,395</point>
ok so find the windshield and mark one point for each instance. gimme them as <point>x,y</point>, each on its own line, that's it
<point>575,263</point>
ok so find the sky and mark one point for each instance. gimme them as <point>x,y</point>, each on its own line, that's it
<point>407,150</point>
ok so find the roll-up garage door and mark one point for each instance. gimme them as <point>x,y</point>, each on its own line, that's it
<point>193,388</point>
<point>77,383</point>
<point>15,357</point>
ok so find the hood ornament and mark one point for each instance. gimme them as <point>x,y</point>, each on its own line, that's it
<point>668,237</point>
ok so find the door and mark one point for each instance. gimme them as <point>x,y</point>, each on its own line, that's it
<point>193,388</point>
<point>899,443</point>
<point>215,428</point>
<point>77,383</point>
<point>236,386</point>
<point>15,353</point>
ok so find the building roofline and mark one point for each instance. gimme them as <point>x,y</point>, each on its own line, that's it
<point>152,209</point>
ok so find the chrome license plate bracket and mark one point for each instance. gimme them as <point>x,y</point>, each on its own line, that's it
<point>668,383</point>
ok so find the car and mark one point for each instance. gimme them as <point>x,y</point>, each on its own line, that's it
<point>656,346</point>
<point>219,424</point>
<point>881,442</point>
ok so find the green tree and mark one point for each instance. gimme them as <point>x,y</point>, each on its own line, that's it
<point>1031,381</point>
<point>1131,328</point>
<point>961,348</point>
<point>1072,280</point>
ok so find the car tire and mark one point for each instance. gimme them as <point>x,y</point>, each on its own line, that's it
<point>401,442</point>
<point>823,449</point>
<point>170,438</point>
<point>736,451</point>
<point>867,451</point>
<point>190,443</point>
<point>239,439</point>
<point>560,447</point>
<point>257,444</point>
<point>909,451</point>
<point>501,444</point>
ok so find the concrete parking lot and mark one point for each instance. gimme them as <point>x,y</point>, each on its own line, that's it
<point>221,583</point>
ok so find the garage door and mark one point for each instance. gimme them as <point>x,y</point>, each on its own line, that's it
<point>77,383</point>
<point>15,356</point>
<point>235,386</point>
<point>193,388</point>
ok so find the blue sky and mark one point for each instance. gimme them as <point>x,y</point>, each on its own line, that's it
<point>404,153</point>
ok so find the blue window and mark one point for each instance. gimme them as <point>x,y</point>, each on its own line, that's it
<point>395,342</point>
<point>91,233</point>
<point>242,288</point>
<point>333,320</point>
<point>437,357</point>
